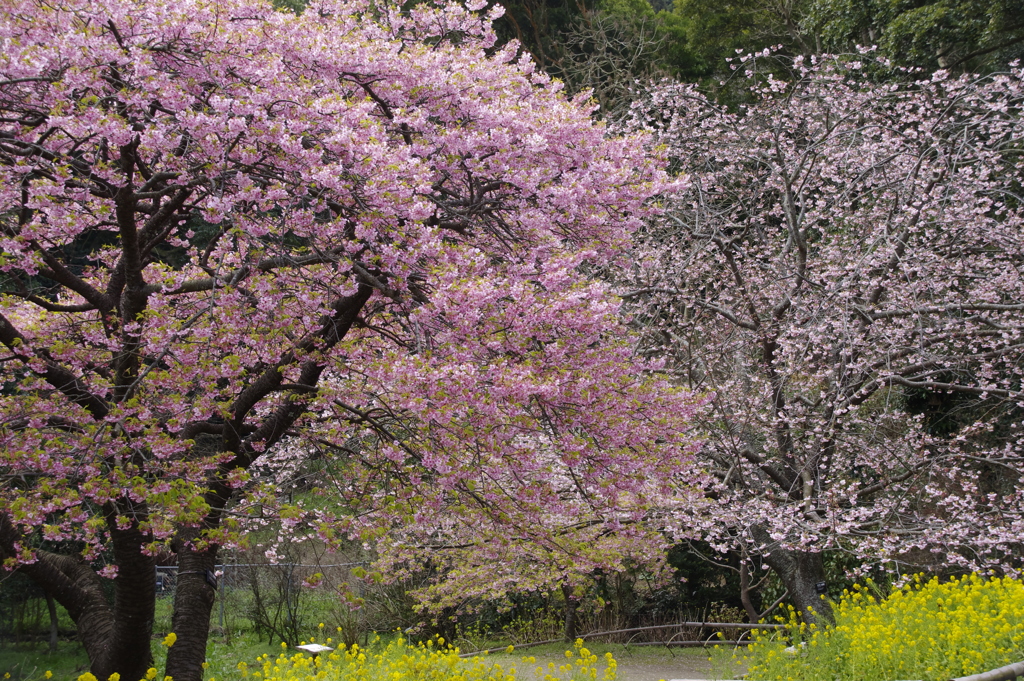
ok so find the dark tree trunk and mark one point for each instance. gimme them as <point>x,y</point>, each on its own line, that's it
<point>800,572</point>
<point>116,639</point>
<point>445,624</point>
<point>748,603</point>
<point>77,587</point>
<point>570,613</point>
<point>134,603</point>
<point>193,602</point>
<point>51,606</point>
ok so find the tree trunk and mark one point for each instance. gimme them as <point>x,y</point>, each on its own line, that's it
<point>801,572</point>
<point>745,599</point>
<point>115,639</point>
<point>51,606</point>
<point>570,613</point>
<point>73,584</point>
<point>134,603</point>
<point>193,602</point>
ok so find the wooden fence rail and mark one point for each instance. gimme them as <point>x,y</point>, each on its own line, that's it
<point>1007,673</point>
<point>634,630</point>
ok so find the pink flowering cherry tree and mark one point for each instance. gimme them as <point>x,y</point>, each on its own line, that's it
<point>843,273</point>
<point>549,491</point>
<point>227,229</point>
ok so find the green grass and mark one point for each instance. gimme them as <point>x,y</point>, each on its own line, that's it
<point>231,641</point>
<point>224,653</point>
<point>31,662</point>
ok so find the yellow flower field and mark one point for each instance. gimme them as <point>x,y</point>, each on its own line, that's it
<point>927,630</point>
<point>402,661</point>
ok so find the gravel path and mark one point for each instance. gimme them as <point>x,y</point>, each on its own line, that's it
<point>684,668</point>
<point>636,664</point>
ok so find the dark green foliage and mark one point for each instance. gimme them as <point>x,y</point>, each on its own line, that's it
<point>716,31</point>
<point>539,26</point>
<point>605,46</point>
<point>703,578</point>
<point>290,5</point>
<point>24,616</point>
<point>963,35</point>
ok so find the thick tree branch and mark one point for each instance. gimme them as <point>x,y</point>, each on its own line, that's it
<point>59,377</point>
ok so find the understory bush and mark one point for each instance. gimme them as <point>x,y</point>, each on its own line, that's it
<point>928,630</point>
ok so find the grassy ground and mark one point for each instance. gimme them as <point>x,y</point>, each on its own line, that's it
<point>31,662</point>
<point>28,662</point>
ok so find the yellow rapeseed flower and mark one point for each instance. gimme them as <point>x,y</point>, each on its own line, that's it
<point>928,630</point>
<point>403,661</point>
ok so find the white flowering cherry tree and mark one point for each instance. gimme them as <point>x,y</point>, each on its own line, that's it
<point>843,273</point>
